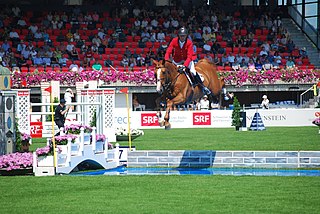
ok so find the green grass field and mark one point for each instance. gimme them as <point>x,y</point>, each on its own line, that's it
<point>274,138</point>
<point>159,194</point>
<point>175,194</point>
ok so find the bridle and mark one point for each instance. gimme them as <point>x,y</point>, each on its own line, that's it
<point>167,83</point>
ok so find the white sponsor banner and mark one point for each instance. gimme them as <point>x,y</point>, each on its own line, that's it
<point>210,119</point>
<point>216,118</point>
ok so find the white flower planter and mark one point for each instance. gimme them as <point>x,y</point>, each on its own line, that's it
<point>45,161</point>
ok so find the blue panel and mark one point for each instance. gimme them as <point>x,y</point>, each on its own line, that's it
<point>6,82</point>
<point>9,122</point>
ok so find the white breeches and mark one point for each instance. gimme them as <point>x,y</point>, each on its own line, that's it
<point>191,66</point>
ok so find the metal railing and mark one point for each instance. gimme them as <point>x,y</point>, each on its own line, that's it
<point>305,26</point>
<point>307,95</point>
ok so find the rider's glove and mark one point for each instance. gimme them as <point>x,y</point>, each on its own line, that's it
<point>181,69</point>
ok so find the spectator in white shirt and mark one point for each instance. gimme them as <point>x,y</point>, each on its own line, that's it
<point>204,103</point>
<point>136,12</point>
<point>14,35</point>
<point>22,23</point>
<point>154,23</point>
<point>33,28</point>
<point>73,67</point>
<point>68,97</point>
<point>137,23</point>
<point>263,52</point>
<point>166,24</point>
<point>69,48</point>
<point>206,28</point>
<point>207,47</point>
<point>101,34</point>
<point>265,102</point>
<point>144,23</point>
<point>38,36</point>
<point>161,36</point>
<point>174,23</point>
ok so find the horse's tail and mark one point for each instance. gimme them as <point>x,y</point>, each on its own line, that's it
<point>222,83</point>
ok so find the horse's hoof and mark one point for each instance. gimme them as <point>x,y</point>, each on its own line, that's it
<point>168,127</point>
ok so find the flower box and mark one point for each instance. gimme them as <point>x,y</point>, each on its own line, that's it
<point>15,172</point>
<point>46,161</point>
<point>126,137</point>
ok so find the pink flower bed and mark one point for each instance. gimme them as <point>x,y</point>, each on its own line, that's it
<point>138,78</point>
<point>16,161</point>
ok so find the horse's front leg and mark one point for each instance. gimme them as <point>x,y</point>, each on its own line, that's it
<point>170,103</point>
<point>167,116</point>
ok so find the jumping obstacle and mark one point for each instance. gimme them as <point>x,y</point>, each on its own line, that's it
<point>71,155</point>
<point>90,101</point>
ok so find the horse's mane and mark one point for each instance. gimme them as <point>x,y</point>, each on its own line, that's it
<point>207,61</point>
<point>171,64</point>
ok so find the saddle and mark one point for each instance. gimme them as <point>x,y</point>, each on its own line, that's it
<point>196,80</point>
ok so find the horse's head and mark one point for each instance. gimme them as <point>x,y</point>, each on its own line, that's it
<point>162,75</point>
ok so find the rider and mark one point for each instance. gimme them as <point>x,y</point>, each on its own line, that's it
<point>181,49</point>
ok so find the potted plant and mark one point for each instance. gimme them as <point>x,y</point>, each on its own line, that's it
<point>25,142</point>
<point>100,142</point>
<point>76,130</point>
<point>45,156</point>
<point>123,135</point>
<point>236,122</point>
<point>44,151</point>
<point>63,139</point>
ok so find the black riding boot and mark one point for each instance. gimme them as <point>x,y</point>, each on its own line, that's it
<point>197,80</point>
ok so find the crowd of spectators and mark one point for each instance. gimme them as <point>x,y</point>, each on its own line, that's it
<point>129,38</point>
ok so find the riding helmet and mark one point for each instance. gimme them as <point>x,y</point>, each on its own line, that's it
<point>183,31</point>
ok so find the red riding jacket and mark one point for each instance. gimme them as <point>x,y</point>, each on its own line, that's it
<point>180,54</point>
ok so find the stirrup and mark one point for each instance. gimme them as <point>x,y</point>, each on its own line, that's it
<point>206,90</point>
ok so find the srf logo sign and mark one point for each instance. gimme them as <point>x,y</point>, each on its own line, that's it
<point>149,119</point>
<point>201,118</point>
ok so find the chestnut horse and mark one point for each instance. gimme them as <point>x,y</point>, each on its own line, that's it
<point>176,89</point>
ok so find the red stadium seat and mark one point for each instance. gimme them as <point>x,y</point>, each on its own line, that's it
<point>219,38</point>
<point>64,69</point>
<point>265,31</point>
<point>228,68</point>
<point>305,61</point>
<point>24,69</point>
<point>311,66</point>
<point>258,32</point>
<point>243,32</point>
<point>223,44</point>
<point>220,68</point>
